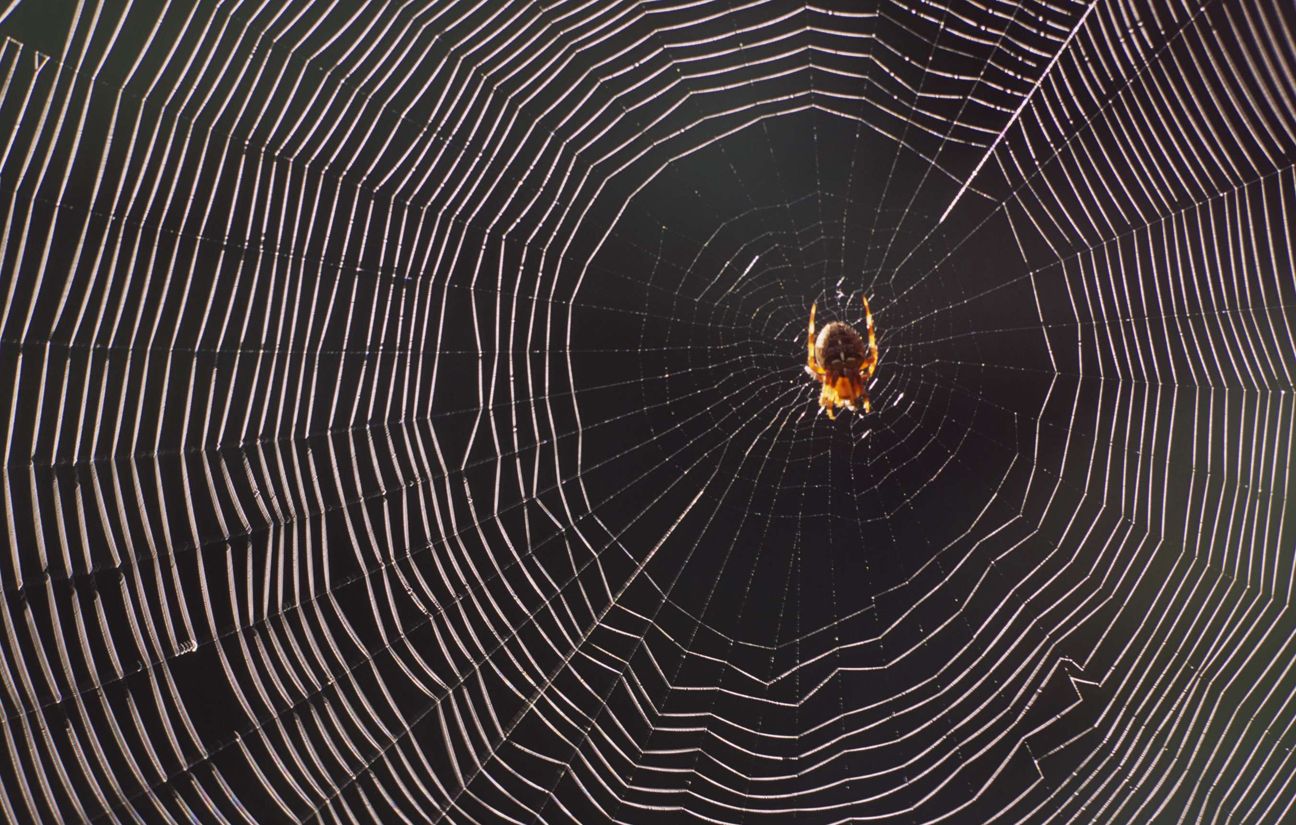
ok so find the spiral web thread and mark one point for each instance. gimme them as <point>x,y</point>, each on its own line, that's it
<point>309,496</point>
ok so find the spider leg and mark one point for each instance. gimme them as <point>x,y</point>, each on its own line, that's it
<point>812,366</point>
<point>869,364</point>
<point>828,400</point>
<point>870,360</point>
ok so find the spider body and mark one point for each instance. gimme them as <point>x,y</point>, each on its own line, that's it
<point>843,362</point>
<point>839,348</point>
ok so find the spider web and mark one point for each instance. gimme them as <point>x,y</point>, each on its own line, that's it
<point>407,418</point>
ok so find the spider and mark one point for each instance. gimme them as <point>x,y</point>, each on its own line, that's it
<point>841,361</point>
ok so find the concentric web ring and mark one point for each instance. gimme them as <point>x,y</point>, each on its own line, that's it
<point>406,416</point>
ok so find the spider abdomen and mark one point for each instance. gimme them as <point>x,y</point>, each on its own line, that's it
<point>840,349</point>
